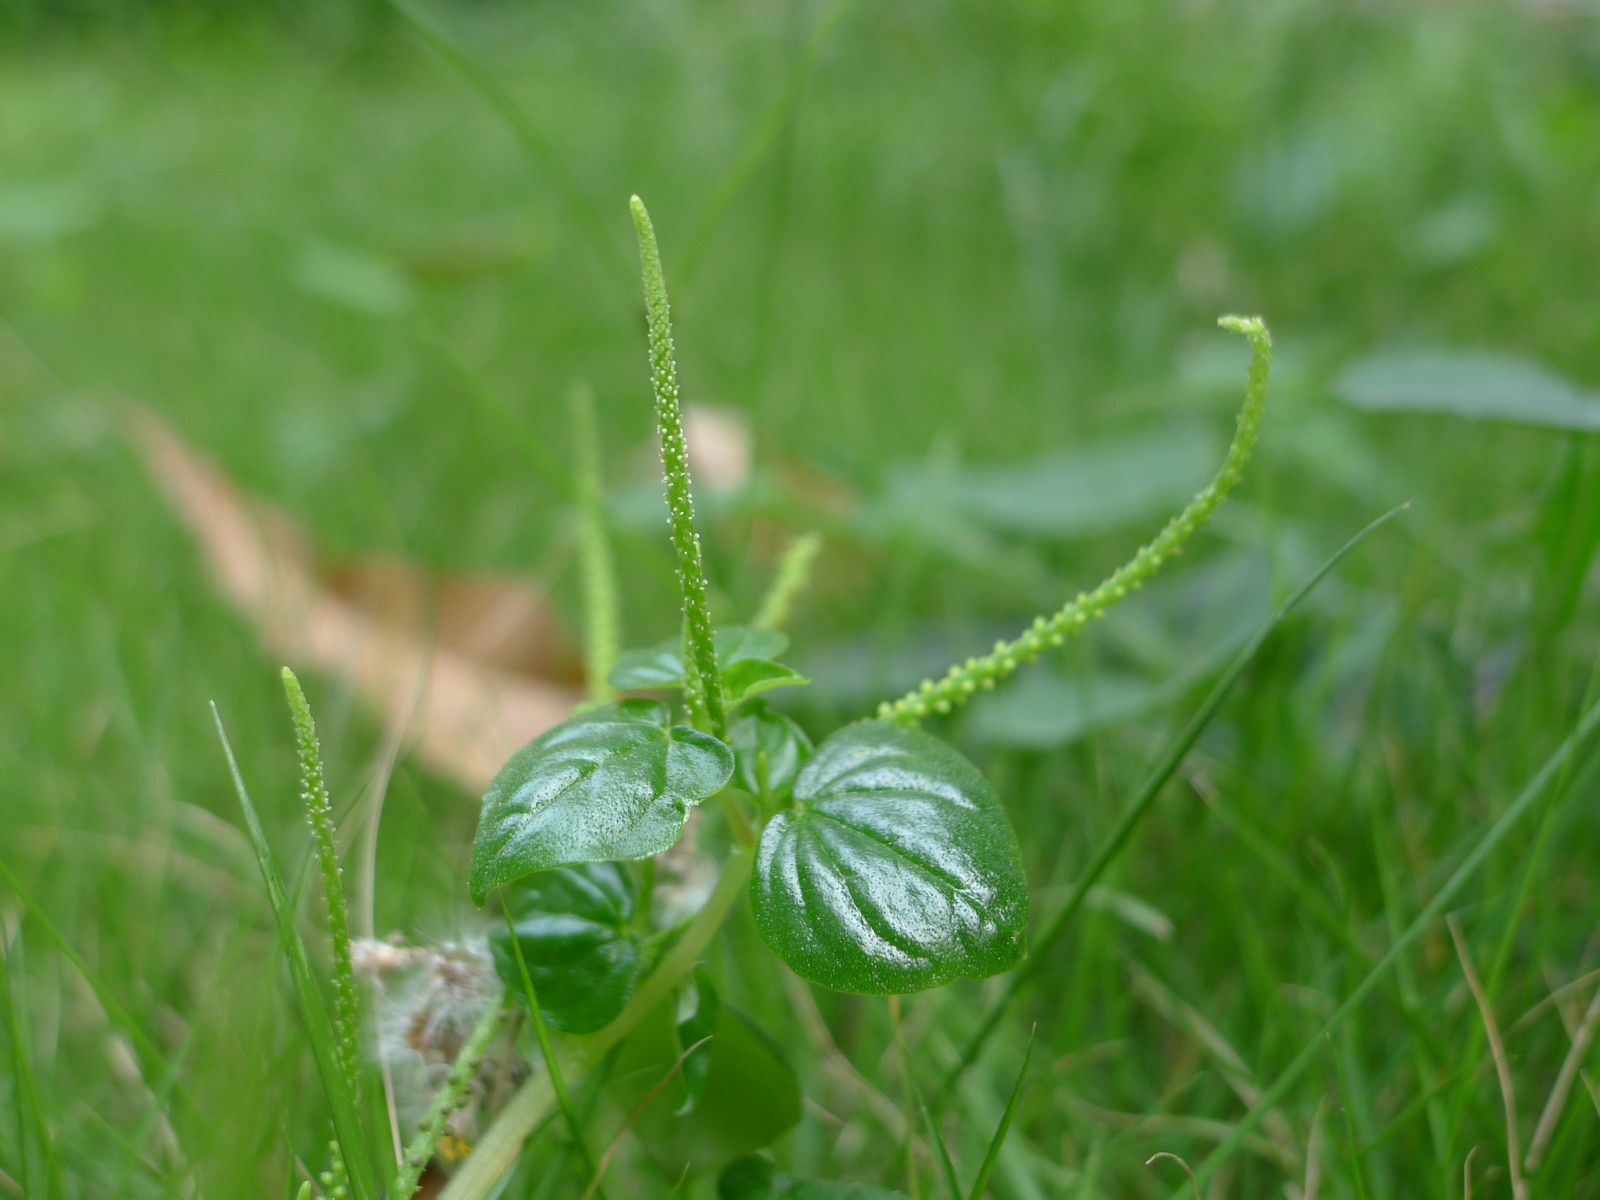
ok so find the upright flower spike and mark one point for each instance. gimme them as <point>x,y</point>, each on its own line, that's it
<point>702,678</point>
<point>1046,633</point>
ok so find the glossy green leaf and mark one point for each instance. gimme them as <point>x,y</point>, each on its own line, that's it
<point>749,1096</point>
<point>573,927</point>
<point>616,782</point>
<point>752,676</point>
<point>896,871</point>
<point>755,1178</point>
<point>746,657</point>
<point>660,666</point>
<point>757,731</point>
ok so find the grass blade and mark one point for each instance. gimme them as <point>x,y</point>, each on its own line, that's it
<point>1519,807</point>
<point>1166,767</point>
<point>324,1045</point>
<point>760,142</point>
<point>992,1158</point>
<point>534,142</point>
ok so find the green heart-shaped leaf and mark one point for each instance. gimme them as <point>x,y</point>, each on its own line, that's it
<point>755,1178</point>
<point>896,871</point>
<point>612,783</point>
<point>572,925</point>
<point>761,731</point>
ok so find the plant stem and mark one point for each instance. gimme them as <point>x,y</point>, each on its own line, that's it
<point>702,679</point>
<point>502,1142</point>
<point>1045,633</point>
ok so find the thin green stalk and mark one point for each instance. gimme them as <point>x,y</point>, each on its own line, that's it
<point>1143,800</point>
<point>702,678</point>
<point>998,1141</point>
<point>319,812</point>
<point>794,573</point>
<point>965,679</point>
<point>537,146</point>
<point>761,141</point>
<point>446,1100</point>
<point>502,1142</point>
<point>552,1064</point>
<point>319,1029</point>
<point>601,622</point>
<point>1554,767</point>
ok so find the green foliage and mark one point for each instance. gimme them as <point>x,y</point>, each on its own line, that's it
<point>756,1178</point>
<point>1476,385</point>
<point>746,1095</point>
<point>351,1148</point>
<point>612,783</point>
<point>768,750</point>
<point>896,870</point>
<point>575,929</point>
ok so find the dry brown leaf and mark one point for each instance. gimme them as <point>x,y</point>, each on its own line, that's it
<point>480,663</point>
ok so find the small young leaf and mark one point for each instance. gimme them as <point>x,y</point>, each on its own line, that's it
<point>612,783</point>
<point>746,658</point>
<point>752,676</point>
<point>896,871</point>
<point>759,731</point>
<point>755,1178</point>
<point>583,959</point>
<point>661,666</point>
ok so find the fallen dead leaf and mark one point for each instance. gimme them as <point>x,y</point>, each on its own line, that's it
<point>473,667</point>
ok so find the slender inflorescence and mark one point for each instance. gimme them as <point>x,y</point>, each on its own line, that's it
<point>794,572</point>
<point>1046,633</point>
<point>451,1096</point>
<point>319,812</point>
<point>703,680</point>
<point>601,622</point>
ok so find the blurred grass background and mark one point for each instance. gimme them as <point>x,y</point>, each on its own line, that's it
<point>980,236</point>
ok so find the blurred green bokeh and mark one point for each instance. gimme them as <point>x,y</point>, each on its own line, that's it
<point>971,241</point>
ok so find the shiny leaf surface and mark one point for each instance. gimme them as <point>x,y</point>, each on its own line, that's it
<point>613,783</point>
<point>572,926</point>
<point>896,871</point>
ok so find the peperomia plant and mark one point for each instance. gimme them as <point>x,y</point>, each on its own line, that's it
<point>876,861</point>
<point>879,861</point>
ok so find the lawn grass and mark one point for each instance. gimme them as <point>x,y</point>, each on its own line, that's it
<point>980,234</point>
